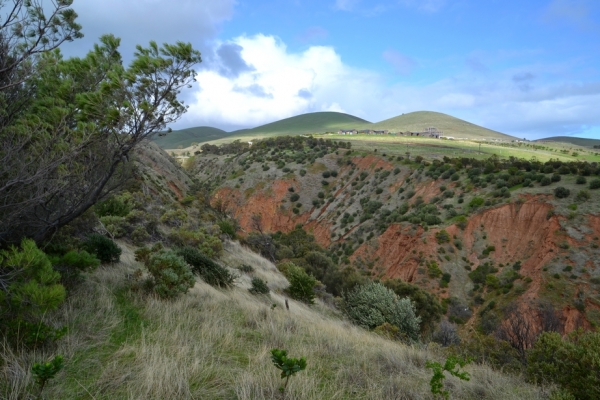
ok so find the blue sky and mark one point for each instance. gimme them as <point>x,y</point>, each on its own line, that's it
<point>526,68</point>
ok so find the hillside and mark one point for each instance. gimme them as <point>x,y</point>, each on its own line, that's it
<point>322,122</point>
<point>572,140</point>
<point>380,214</point>
<point>316,122</point>
<point>215,344</point>
<point>420,120</point>
<point>185,137</point>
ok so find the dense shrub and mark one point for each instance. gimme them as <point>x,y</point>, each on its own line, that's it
<point>210,272</point>
<point>372,304</point>
<point>31,288</point>
<point>595,184</point>
<point>427,306</point>
<point>545,181</point>
<point>571,362</point>
<point>302,285</point>
<point>117,206</point>
<point>72,264</point>
<point>442,236</point>
<point>259,286</point>
<point>476,202</point>
<point>171,275</point>
<point>294,197</point>
<point>104,248</point>
<point>561,192</point>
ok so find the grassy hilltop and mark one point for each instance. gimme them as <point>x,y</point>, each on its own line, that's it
<point>322,122</point>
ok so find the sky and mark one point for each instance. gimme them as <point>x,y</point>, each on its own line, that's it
<point>529,68</point>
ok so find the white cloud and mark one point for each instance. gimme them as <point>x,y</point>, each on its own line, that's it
<point>280,84</point>
<point>277,83</point>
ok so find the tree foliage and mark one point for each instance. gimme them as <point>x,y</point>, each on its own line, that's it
<point>67,131</point>
<point>572,362</point>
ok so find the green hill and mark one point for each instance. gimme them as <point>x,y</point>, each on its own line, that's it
<point>185,137</point>
<point>572,140</point>
<point>420,120</point>
<point>321,122</point>
<point>317,122</point>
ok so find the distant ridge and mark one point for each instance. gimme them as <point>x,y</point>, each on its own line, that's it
<point>573,140</point>
<point>329,121</point>
<point>185,137</point>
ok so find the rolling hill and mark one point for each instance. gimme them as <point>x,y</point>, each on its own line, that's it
<point>317,122</point>
<point>185,137</point>
<point>572,140</point>
<point>451,126</point>
<point>321,122</point>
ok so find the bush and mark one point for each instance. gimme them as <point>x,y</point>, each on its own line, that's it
<point>583,195</point>
<point>171,274</point>
<point>427,306</point>
<point>104,248</point>
<point>476,202</point>
<point>571,362</point>
<point>372,304</point>
<point>72,264</point>
<point>302,285</point>
<point>259,286</point>
<point>561,192</point>
<point>210,272</point>
<point>581,180</point>
<point>227,227</point>
<point>595,184</point>
<point>31,288</point>
<point>115,206</point>
<point>294,197</point>
<point>545,181</point>
<point>442,236</point>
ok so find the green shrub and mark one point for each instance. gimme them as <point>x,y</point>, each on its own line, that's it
<point>371,305</point>
<point>31,288</point>
<point>545,181</point>
<point>476,202</point>
<point>210,272</point>
<point>104,248</point>
<point>116,226</point>
<point>139,235</point>
<point>570,362</point>
<point>72,264</point>
<point>117,206</point>
<point>294,197</point>
<point>581,180</point>
<point>227,227</point>
<point>561,192</point>
<point>259,286</point>
<point>302,285</point>
<point>595,184</point>
<point>442,236</point>
<point>171,275</point>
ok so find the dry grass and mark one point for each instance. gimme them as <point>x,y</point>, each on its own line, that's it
<point>214,344</point>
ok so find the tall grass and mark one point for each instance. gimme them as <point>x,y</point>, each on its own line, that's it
<point>215,344</point>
